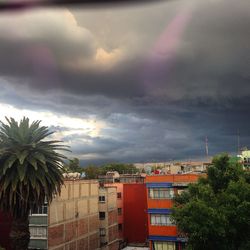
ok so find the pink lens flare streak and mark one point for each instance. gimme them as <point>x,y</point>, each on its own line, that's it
<point>162,55</point>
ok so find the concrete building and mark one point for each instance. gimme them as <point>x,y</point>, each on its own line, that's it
<point>120,208</point>
<point>131,205</point>
<point>185,167</point>
<point>115,177</point>
<point>108,218</point>
<point>245,158</point>
<point>71,222</point>
<point>135,229</point>
<point>163,234</point>
<point>174,167</point>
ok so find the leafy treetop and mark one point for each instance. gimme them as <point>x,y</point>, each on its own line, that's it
<point>215,212</point>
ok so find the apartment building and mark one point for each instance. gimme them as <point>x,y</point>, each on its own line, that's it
<point>71,222</point>
<point>135,227</point>
<point>174,167</point>
<point>115,177</point>
<point>119,181</point>
<point>162,233</point>
<point>132,213</point>
<point>108,215</point>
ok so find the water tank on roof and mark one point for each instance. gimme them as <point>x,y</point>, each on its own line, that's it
<point>113,174</point>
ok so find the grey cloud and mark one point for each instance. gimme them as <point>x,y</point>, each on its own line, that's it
<point>99,146</point>
<point>154,110</point>
<point>38,42</point>
<point>212,54</point>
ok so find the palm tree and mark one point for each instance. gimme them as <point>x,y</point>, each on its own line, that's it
<point>30,173</point>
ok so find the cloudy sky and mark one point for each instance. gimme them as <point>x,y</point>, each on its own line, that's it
<point>131,83</point>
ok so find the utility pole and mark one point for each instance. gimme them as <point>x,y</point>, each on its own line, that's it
<point>238,141</point>
<point>206,146</point>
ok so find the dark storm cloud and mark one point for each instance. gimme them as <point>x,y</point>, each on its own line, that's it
<point>211,57</point>
<point>153,110</point>
<point>98,146</point>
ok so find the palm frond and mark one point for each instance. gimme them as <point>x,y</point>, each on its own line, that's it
<point>30,165</point>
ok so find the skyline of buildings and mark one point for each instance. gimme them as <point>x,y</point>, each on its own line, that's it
<point>115,211</point>
<point>92,215</point>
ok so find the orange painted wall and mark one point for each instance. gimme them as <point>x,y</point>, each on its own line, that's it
<point>164,203</point>
<point>163,230</point>
<point>153,203</point>
<point>173,178</point>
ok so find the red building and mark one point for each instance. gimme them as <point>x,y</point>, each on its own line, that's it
<point>163,234</point>
<point>135,213</point>
<point>131,205</point>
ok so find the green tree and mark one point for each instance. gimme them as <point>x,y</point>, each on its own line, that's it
<point>121,168</point>
<point>73,166</point>
<point>30,173</point>
<point>91,172</point>
<point>215,212</point>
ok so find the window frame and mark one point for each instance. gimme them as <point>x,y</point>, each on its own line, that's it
<point>164,245</point>
<point>40,211</point>
<point>101,217</point>
<point>102,232</point>
<point>120,227</point>
<point>161,193</point>
<point>160,220</point>
<point>35,234</point>
<point>102,198</point>
<point>119,211</point>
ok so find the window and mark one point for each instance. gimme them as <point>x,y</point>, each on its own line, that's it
<point>101,198</point>
<point>160,220</point>
<point>119,211</point>
<point>103,244</point>
<point>102,232</point>
<point>161,193</point>
<point>119,195</point>
<point>164,245</point>
<point>38,232</point>
<point>40,210</point>
<point>120,227</point>
<point>102,215</point>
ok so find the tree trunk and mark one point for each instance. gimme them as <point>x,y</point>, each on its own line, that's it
<point>20,235</point>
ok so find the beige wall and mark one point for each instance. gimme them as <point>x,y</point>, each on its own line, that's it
<point>85,187</point>
<point>74,216</point>
<point>112,198</point>
<point>77,198</point>
<point>111,219</point>
<point>93,205</point>
<point>110,194</point>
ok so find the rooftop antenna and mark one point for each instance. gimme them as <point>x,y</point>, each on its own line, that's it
<point>206,145</point>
